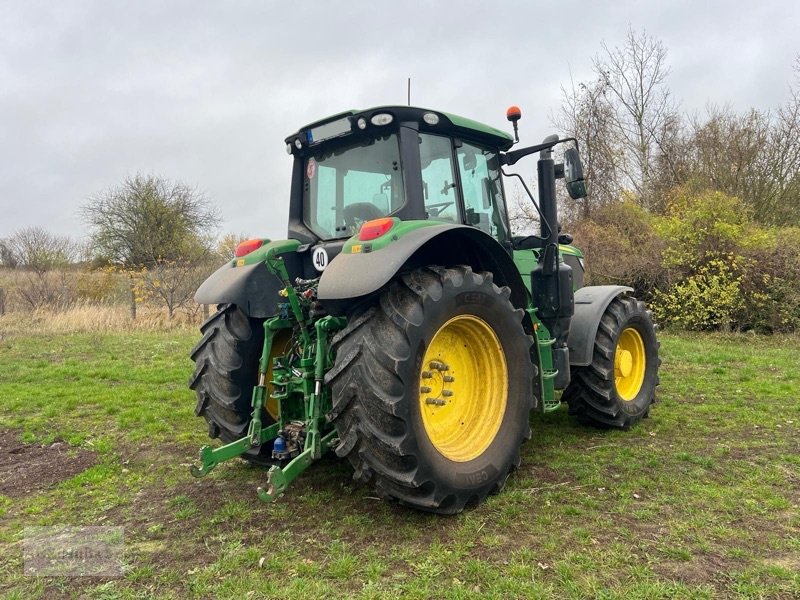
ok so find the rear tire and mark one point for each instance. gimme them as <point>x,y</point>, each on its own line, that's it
<point>618,387</point>
<point>434,457</point>
<point>226,370</point>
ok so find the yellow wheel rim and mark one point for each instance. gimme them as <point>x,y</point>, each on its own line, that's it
<point>629,364</point>
<point>463,388</point>
<point>280,346</point>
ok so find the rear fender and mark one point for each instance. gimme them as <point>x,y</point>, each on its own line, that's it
<point>247,282</point>
<point>352,276</point>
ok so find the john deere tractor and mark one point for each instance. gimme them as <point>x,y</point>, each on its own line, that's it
<point>402,325</point>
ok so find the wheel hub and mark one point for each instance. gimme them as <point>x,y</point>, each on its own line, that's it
<point>463,388</point>
<point>624,364</point>
<point>629,364</point>
<point>437,384</point>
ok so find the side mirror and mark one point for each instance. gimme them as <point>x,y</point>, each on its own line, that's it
<point>573,174</point>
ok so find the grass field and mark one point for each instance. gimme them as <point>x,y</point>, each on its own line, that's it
<point>699,501</point>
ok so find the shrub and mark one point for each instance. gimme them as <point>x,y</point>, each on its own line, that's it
<point>621,247</point>
<point>726,271</point>
<point>710,298</point>
<point>705,264</point>
<point>54,290</point>
<point>699,228</point>
<point>771,285</point>
<point>101,286</point>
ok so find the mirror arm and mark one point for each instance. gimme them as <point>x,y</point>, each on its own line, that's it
<point>510,158</point>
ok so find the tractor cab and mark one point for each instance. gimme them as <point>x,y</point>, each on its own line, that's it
<point>398,161</point>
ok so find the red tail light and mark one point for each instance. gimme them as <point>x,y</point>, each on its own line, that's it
<point>247,247</point>
<point>375,228</point>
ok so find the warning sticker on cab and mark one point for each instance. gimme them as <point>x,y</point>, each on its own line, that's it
<point>311,168</point>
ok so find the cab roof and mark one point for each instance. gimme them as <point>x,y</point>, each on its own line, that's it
<point>446,123</point>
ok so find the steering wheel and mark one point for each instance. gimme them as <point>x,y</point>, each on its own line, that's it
<point>437,208</point>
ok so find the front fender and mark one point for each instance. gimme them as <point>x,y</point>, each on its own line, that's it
<point>590,304</point>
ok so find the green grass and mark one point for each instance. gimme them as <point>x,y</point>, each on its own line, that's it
<point>699,501</point>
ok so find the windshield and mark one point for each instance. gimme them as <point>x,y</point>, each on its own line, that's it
<point>345,186</point>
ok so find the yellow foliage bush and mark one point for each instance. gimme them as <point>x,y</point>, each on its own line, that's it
<point>99,287</point>
<point>704,264</point>
<point>708,299</point>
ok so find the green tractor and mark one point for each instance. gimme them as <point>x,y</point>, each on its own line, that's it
<point>403,326</point>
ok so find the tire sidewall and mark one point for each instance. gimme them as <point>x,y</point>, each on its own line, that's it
<point>485,301</point>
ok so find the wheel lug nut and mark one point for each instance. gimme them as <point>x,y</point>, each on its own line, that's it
<point>426,375</point>
<point>439,366</point>
<point>447,393</point>
<point>424,390</point>
<point>448,378</point>
<point>435,401</point>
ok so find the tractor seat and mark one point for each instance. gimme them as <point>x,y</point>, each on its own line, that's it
<point>361,212</point>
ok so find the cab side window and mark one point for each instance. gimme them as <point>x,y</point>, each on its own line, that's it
<point>438,178</point>
<point>483,193</point>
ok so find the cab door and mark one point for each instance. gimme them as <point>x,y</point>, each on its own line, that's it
<point>482,190</point>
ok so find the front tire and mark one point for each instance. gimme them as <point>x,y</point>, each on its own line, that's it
<point>432,389</point>
<point>619,386</point>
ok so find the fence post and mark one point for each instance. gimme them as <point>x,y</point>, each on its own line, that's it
<point>205,311</point>
<point>132,304</point>
<point>2,301</point>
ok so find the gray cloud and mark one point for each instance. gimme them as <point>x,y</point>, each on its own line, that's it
<point>205,92</point>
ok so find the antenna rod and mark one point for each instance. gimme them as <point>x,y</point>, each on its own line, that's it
<point>409,91</point>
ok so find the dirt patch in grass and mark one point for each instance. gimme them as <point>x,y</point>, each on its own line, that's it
<point>30,468</point>
<point>700,570</point>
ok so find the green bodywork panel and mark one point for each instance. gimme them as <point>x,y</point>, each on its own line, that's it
<point>268,250</point>
<point>398,230</point>
<point>526,260</point>
<point>567,249</point>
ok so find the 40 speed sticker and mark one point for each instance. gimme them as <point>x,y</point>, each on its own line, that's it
<point>320,259</point>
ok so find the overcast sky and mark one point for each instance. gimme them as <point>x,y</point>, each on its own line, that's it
<point>205,92</point>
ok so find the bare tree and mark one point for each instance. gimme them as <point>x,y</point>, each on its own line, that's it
<point>44,259</point>
<point>634,83</point>
<point>754,156</point>
<point>38,250</point>
<point>728,149</point>
<point>522,213</point>
<point>173,283</point>
<point>781,204</point>
<point>7,257</point>
<point>673,164</point>
<point>587,115</point>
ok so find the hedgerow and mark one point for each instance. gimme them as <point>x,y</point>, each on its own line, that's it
<point>704,264</point>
